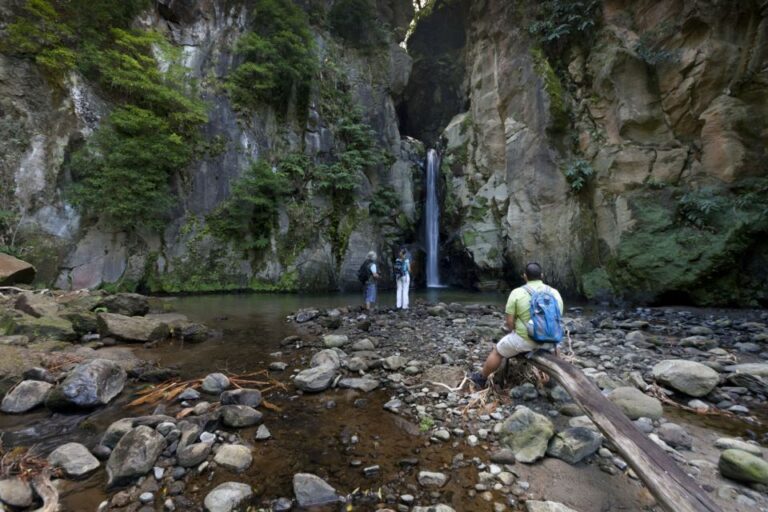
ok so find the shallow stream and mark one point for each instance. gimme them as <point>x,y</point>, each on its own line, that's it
<point>335,434</point>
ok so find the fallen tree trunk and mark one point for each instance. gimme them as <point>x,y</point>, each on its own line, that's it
<point>669,484</point>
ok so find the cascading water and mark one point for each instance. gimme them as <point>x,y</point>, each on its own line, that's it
<point>432,219</point>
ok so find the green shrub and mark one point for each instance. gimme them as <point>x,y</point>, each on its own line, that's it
<point>355,22</point>
<point>248,216</point>
<point>57,34</point>
<point>560,24</point>
<point>278,58</point>
<point>384,205</point>
<point>699,208</point>
<point>122,173</point>
<point>577,173</point>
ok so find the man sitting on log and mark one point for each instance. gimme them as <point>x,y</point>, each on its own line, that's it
<point>533,319</point>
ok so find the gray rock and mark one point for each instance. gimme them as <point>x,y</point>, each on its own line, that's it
<point>15,492</point>
<point>546,506</point>
<point>74,459</point>
<point>90,384</point>
<point>227,496</point>
<point>503,456</point>
<point>364,344</point>
<point>675,436</point>
<point>394,362</point>
<point>116,431</point>
<point>527,434</point>
<point>189,394</point>
<point>700,342</point>
<point>754,369</point>
<point>327,357</point>
<point>189,433</point>
<point>726,443</point>
<point>743,467</point>
<point>689,377</point>
<point>574,444</point>
<point>193,454</point>
<point>312,491</point>
<point>249,397</point>
<point>335,340</point>
<point>635,404</point>
<point>432,479</point>
<point>132,329</point>
<point>434,508</point>
<point>134,455</point>
<point>305,315</point>
<point>234,457</point>
<point>315,379</point>
<point>262,433</point>
<point>239,416</point>
<point>360,384</point>
<point>215,383</point>
<point>27,395</point>
<point>129,304</point>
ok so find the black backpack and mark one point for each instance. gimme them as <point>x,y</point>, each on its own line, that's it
<point>364,272</point>
<point>399,269</point>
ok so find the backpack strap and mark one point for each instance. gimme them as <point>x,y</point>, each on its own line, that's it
<point>530,290</point>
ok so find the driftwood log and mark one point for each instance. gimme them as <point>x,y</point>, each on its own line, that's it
<point>670,485</point>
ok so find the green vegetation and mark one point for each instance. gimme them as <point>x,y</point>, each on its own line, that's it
<point>62,34</point>
<point>9,225</point>
<point>688,244</point>
<point>278,59</point>
<point>558,108</point>
<point>355,22</point>
<point>122,173</point>
<point>577,173</point>
<point>384,204</point>
<point>248,216</point>
<point>561,24</point>
<point>426,424</point>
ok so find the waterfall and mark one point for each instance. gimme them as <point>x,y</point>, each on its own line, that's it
<point>432,214</point>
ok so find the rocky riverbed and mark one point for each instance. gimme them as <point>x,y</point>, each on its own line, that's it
<point>349,408</point>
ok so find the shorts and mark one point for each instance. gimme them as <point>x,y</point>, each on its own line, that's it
<point>370,293</point>
<point>513,344</point>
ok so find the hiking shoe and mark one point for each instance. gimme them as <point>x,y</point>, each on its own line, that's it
<point>478,380</point>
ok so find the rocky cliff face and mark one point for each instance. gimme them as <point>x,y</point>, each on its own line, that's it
<point>631,165</point>
<point>662,114</point>
<point>42,123</point>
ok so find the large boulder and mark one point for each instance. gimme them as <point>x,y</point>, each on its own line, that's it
<point>227,496</point>
<point>131,328</point>
<point>527,433</point>
<point>27,395</point>
<point>315,379</point>
<point>574,444</point>
<point>36,304</point>
<point>90,384</point>
<point>128,304</point>
<point>134,455</point>
<point>689,377</point>
<point>743,467</point>
<point>312,491</point>
<point>53,327</point>
<point>15,271</point>
<point>74,459</point>
<point>636,404</point>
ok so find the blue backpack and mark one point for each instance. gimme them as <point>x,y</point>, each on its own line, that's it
<point>545,325</point>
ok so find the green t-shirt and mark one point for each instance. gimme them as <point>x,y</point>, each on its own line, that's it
<point>519,304</point>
